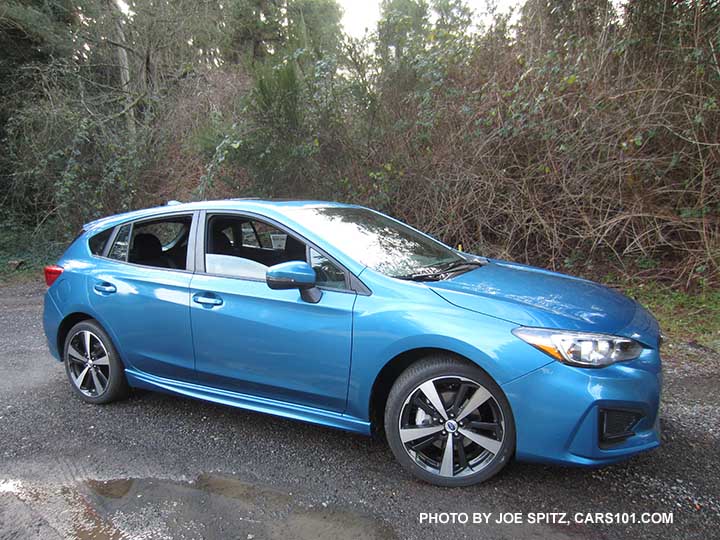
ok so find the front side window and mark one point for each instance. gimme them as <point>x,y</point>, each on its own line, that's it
<point>377,241</point>
<point>241,247</point>
<point>261,245</point>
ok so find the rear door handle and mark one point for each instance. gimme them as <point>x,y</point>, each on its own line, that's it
<point>201,298</point>
<point>105,287</point>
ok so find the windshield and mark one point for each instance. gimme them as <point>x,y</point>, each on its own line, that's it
<point>377,241</point>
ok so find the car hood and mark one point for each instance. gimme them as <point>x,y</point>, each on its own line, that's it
<point>530,296</point>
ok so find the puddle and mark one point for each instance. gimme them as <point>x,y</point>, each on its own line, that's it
<point>90,525</point>
<point>112,489</point>
<point>233,488</point>
<point>211,506</point>
<point>214,506</point>
<point>51,511</point>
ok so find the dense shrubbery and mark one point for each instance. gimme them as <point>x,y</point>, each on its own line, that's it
<point>577,133</point>
<point>604,143</point>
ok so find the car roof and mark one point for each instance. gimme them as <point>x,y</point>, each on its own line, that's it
<point>269,207</point>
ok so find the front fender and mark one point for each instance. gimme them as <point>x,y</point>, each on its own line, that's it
<point>383,328</point>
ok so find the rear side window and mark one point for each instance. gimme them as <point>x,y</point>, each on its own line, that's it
<point>119,249</point>
<point>98,242</point>
<point>167,231</point>
<point>249,236</point>
<point>161,243</point>
<point>268,236</point>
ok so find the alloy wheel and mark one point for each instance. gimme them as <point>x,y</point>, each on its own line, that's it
<point>452,426</point>
<point>88,363</point>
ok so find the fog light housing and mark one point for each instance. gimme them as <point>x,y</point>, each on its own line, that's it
<point>616,425</point>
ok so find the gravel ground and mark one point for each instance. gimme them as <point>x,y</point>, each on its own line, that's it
<point>157,466</point>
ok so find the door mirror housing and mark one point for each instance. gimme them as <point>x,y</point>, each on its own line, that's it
<point>291,275</point>
<point>294,275</point>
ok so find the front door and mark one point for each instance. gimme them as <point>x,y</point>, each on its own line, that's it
<point>252,339</point>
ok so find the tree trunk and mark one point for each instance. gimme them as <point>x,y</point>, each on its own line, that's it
<point>124,66</point>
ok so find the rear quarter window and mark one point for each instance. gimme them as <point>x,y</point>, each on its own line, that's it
<point>98,241</point>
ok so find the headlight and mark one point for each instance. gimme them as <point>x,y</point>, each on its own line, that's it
<point>579,348</point>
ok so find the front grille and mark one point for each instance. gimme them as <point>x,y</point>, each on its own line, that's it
<point>616,425</point>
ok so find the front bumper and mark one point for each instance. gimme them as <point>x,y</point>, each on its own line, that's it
<point>557,411</point>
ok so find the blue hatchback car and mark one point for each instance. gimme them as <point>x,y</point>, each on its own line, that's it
<point>339,315</point>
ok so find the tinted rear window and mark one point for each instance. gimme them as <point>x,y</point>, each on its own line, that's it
<point>99,241</point>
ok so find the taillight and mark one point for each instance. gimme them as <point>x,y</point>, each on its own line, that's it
<point>52,272</point>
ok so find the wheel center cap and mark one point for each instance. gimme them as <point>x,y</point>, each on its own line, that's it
<point>451,426</point>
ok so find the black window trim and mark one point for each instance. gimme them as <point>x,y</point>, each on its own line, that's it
<point>353,284</point>
<point>108,244</point>
<point>190,257</point>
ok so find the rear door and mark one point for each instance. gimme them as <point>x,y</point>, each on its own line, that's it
<point>252,339</point>
<point>141,291</point>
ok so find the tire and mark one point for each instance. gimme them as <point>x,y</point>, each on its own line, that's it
<point>101,378</point>
<point>490,425</point>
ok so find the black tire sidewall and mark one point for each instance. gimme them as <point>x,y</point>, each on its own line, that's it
<point>117,386</point>
<point>445,366</point>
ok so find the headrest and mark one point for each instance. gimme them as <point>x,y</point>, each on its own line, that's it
<point>220,243</point>
<point>147,246</point>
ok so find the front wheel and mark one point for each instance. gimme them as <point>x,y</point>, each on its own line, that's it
<point>449,423</point>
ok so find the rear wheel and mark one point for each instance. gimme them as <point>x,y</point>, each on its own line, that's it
<point>449,423</point>
<point>92,364</point>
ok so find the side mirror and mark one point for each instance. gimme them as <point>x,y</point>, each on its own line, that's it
<point>294,275</point>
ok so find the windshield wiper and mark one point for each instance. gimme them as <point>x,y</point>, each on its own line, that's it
<point>431,276</point>
<point>452,267</point>
<point>463,264</point>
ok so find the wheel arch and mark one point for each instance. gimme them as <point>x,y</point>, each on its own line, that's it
<point>392,370</point>
<point>66,324</point>
<point>74,318</point>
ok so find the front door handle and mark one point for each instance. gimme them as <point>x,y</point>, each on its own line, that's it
<point>105,287</point>
<point>201,298</point>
